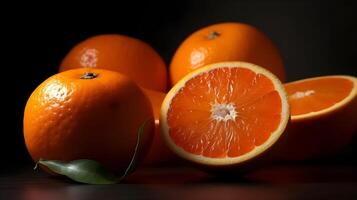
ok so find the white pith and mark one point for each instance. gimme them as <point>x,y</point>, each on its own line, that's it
<point>223,112</point>
<point>302,94</point>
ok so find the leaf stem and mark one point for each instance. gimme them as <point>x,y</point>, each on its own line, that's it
<point>37,164</point>
<point>133,158</point>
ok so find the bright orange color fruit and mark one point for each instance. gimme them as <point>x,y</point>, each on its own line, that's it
<point>80,115</point>
<point>129,56</point>
<point>323,116</point>
<point>159,152</point>
<point>226,42</point>
<point>224,114</point>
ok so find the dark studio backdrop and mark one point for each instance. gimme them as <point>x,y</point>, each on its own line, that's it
<point>315,38</point>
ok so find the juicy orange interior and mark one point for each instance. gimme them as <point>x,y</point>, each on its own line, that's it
<point>225,112</point>
<point>317,94</point>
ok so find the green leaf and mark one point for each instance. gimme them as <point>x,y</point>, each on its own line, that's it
<point>90,171</point>
<point>83,171</point>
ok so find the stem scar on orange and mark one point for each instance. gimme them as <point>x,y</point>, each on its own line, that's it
<point>226,42</point>
<point>80,115</point>
<point>323,116</point>
<point>224,114</point>
<point>129,56</point>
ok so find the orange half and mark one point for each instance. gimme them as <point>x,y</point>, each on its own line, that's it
<point>320,95</point>
<point>224,114</point>
<point>323,117</point>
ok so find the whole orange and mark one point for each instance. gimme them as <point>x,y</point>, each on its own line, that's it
<point>159,153</point>
<point>226,42</point>
<point>88,115</point>
<point>129,56</point>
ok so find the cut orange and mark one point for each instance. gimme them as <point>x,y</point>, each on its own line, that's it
<point>314,97</point>
<point>323,116</point>
<point>224,114</point>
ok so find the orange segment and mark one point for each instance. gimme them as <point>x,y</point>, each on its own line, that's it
<point>224,111</point>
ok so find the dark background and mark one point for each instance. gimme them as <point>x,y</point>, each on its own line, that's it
<point>315,38</point>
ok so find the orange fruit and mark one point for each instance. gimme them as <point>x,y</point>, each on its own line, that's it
<point>129,56</point>
<point>80,115</point>
<point>224,114</point>
<point>159,153</point>
<point>323,116</point>
<point>226,42</point>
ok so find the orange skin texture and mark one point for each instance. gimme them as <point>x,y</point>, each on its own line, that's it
<point>68,118</point>
<point>235,42</point>
<point>129,56</point>
<point>319,136</point>
<point>159,153</point>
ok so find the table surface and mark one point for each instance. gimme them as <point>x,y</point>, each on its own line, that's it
<point>275,182</point>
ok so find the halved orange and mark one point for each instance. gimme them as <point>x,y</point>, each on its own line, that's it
<point>224,114</point>
<point>323,116</point>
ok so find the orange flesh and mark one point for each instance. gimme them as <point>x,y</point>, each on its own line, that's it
<point>315,95</point>
<point>224,112</point>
